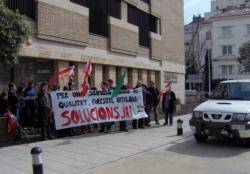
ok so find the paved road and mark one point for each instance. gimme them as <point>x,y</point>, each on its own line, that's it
<point>154,150</point>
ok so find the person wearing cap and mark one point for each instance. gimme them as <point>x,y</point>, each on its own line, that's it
<point>168,104</point>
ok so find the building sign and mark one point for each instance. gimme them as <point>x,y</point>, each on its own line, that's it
<point>170,77</point>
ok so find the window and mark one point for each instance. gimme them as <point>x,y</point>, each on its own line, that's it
<point>208,35</point>
<point>226,31</point>
<point>142,20</point>
<point>223,69</point>
<point>232,91</point>
<point>98,17</point>
<point>132,14</point>
<point>143,23</point>
<point>146,1</point>
<point>115,8</point>
<point>231,69</point>
<point>248,29</point>
<point>25,7</point>
<point>186,43</point>
<point>84,3</point>
<point>226,49</point>
<point>227,70</point>
<point>153,23</point>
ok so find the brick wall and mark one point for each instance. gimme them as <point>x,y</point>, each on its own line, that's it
<point>172,34</point>
<point>58,24</point>
<point>123,40</point>
<point>157,49</point>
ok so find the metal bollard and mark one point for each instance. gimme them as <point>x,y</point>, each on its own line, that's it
<point>179,127</point>
<point>37,163</point>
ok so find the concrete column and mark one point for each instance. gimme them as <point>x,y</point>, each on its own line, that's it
<point>152,76</point>
<point>124,11</point>
<point>61,65</point>
<point>79,75</point>
<point>139,75</point>
<point>148,77</point>
<point>130,78</point>
<point>159,79</point>
<point>126,78</point>
<point>144,77</point>
<point>98,76</point>
<point>112,74</point>
<point>105,73</point>
<point>109,72</point>
<point>118,73</point>
<point>134,77</point>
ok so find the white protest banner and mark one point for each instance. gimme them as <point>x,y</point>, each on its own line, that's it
<point>72,110</point>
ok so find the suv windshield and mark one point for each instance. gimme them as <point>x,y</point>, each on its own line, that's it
<point>232,91</point>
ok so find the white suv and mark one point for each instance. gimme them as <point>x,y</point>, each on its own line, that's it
<point>226,113</point>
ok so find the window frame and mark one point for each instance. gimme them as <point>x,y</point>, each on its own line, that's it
<point>227,50</point>
<point>132,15</point>
<point>227,31</point>
<point>114,8</point>
<point>84,3</point>
<point>98,17</point>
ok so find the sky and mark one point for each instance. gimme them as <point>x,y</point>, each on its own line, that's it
<point>195,7</point>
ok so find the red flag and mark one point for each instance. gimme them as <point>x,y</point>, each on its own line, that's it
<point>12,122</point>
<point>87,72</point>
<point>69,72</point>
<point>163,91</point>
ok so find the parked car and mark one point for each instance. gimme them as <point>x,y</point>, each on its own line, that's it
<point>225,113</point>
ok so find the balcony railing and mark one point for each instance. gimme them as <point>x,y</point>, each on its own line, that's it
<point>25,7</point>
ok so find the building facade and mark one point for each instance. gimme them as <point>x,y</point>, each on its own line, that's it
<point>224,29</point>
<point>145,37</point>
<point>230,30</point>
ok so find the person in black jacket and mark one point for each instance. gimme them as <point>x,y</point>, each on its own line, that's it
<point>148,104</point>
<point>14,105</point>
<point>155,94</point>
<point>3,103</point>
<point>44,110</point>
<point>123,124</point>
<point>168,104</point>
<point>141,120</point>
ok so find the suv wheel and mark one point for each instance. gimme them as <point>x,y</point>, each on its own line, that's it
<point>200,138</point>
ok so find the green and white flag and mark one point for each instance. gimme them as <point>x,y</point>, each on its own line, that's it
<point>119,84</point>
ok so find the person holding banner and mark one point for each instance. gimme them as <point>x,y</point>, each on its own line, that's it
<point>44,110</point>
<point>106,125</point>
<point>148,104</point>
<point>141,120</point>
<point>123,124</point>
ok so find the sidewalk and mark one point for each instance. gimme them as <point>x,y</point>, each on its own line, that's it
<point>79,154</point>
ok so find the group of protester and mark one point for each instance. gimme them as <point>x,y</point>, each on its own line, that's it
<point>32,108</point>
